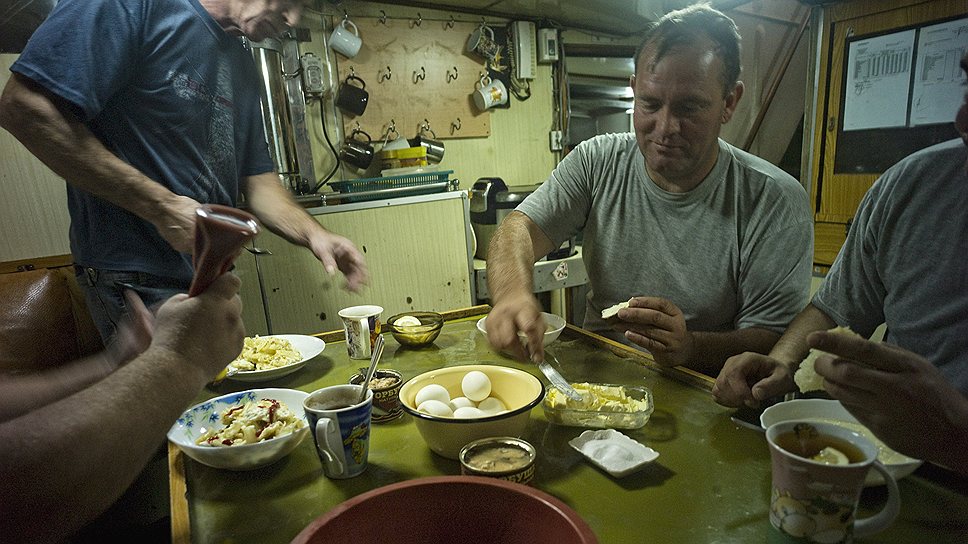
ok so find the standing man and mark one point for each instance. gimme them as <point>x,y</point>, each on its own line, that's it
<point>710,245</point>
<point>903,264</point>
<point>149,108</point>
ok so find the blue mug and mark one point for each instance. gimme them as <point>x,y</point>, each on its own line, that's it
<point>340,426</point>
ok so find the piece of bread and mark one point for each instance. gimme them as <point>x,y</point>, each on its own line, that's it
<point>806,376</point>
<point>612,311</point>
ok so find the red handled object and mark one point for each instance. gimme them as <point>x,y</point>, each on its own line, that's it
<point>220,233</point>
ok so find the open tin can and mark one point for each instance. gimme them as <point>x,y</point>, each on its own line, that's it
<point>502,457</point>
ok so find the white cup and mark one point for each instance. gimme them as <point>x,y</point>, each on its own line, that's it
<point>345,41</point>
<point>361,326</point>
<point>491,93</point>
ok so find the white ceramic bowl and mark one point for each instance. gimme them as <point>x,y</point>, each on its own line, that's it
<point>199,418</point>
<point>307,346</point>
<point>518,390</point>
<point>832,410</point>
<point>555,324</point>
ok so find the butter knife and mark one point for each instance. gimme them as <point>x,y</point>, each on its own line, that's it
<point>557,379</point>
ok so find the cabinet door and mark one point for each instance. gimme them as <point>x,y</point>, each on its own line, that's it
<point>418,256</point>
<point>837,193</point>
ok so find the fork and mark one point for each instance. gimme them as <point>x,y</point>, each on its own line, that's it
<point>556,378</point>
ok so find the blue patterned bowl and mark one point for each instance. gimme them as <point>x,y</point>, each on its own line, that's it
<point>202,417</point>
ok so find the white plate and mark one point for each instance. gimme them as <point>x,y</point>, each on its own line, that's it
<point>824,409</point>
<point>307,346</point>
<point>613,452</point>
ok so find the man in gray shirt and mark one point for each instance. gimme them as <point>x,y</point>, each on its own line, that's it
<point>903,264</point>
<point>711,246</point>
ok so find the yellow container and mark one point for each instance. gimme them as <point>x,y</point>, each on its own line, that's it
<point>404,158</point>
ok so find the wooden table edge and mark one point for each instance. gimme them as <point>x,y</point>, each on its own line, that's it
<point>178,489</point>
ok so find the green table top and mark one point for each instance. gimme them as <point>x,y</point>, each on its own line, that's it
<point>711,482</point>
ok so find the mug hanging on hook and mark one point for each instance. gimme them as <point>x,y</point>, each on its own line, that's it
<point>433,146</point>
<point>481,42</point>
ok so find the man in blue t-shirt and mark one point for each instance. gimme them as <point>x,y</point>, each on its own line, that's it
<point>149,108</point>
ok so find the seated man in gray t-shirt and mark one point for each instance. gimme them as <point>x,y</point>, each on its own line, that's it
<point>712,245</point>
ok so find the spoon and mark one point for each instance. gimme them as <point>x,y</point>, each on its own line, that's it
<point>374,359</point>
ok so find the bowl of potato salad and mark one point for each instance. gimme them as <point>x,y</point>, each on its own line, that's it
<point>244,430</point>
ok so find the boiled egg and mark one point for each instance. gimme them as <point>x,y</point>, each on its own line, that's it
<point>469,412</point>
<point>462,402</point>
<point>492,405</point>
<point>434,391</point>
<point>476,385</point>
<point>436,408</point>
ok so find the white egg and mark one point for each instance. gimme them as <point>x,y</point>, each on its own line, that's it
<point>434,391</point>
<point>492,405</point>
<point>462,402</point>
<point>476,385</point>
<point>407,321</point>
<point>435,408</point>
<point>468,412</point>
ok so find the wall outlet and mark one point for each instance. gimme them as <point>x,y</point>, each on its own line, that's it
<point>554,140</point>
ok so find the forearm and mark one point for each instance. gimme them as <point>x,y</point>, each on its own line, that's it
<point>278,210</point>
<point>84,450</point>
<point>46,127</point>
<point>22,393</point>
<point>792,347</point>
<point>711,349</point>
<point>511,256</point>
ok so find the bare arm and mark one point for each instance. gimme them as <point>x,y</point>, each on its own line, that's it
<point>751,378</point>
<point>280,213</point>
<point>48,128</point>
<point>53,457</point>
<point>515,247</point>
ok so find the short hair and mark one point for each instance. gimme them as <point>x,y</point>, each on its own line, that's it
<point>694,22</point>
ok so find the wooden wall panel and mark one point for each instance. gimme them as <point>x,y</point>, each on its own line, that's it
<point>417,257</point>
<point>405,51</point>
<point>33,207</point>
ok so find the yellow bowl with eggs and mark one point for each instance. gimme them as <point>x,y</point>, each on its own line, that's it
<point>520,391</point>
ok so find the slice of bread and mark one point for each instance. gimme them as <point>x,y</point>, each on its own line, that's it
<point>806,376</point>
<point>612,311</point>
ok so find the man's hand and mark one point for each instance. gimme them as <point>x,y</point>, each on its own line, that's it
<point>177,223</point>
<point>337,252</point>
<point>519,313</point>
<point>659,326</point>
<point>900,396</point>
<point>750,378</point>
<point>205,331</point>
<point>134,333</point>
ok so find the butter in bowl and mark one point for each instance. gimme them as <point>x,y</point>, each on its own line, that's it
<point>603,406</point>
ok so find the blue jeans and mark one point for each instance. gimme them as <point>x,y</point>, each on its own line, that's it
<point>103,291</point>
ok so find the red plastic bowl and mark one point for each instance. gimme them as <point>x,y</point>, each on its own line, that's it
<point>450,509</point>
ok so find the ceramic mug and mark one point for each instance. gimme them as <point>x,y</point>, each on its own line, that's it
<point>340,425</point>
<point>350,98</point>
<point>816,502</point>
<point>361,326</point>
<point>345,41</point>
<point>357,152</point>
<point>481,42</point>
<point>492,93</point>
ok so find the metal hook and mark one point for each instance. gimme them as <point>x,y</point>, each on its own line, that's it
<point>392,128</point>
<point>450,23</point>
<point>425,127</point>
<point>455,125</point>
<point>421,76</point>
<point>417,21</point>
<point>451,77</point>
<point>384,76</point>
<point>383,17</point>
<point>346,16</point>
<point>352,72</point>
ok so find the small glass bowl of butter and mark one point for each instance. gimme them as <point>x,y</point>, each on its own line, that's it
<point>603,406</point>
